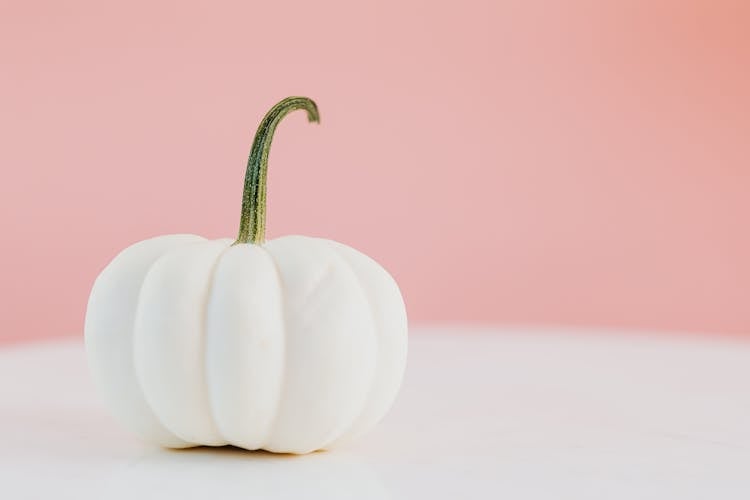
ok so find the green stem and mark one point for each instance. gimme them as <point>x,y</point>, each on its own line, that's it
<point>253,217</point>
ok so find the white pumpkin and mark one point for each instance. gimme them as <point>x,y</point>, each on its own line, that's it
<point>292,345</point>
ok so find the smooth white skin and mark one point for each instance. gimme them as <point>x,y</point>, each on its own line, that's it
<point>293,346</point>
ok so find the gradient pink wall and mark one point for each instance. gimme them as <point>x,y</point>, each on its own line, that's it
<point>509,162</point>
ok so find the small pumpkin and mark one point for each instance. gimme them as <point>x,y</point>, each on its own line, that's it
<point>290,345</point>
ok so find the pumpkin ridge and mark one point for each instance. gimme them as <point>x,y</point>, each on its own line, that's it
<point>204,341</point>
<point>371,385</point>
<point>165,256</point>
<point>272,428</point>
<point>133,336</point>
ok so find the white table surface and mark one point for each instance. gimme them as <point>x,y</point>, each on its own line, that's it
<point>482,414</point>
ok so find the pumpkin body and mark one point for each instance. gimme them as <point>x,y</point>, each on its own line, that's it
<point>295,345</point>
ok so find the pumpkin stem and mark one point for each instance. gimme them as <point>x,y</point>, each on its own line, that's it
<point>253,217</point>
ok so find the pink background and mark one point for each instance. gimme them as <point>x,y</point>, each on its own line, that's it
<point>509,162</point>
